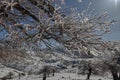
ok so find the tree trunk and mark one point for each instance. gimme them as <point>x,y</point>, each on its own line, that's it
<point>53,73</point>
<point>119,78</point>
<point>44,76</point>
<point>115,74</point>
<point>89,73</point>
<point>119,75</point>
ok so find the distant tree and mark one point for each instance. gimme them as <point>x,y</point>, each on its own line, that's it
<point>90,67</point>
<point>107,60</point>
<point>46,71</point>
<point>110,59</point>
<point>89,72</point>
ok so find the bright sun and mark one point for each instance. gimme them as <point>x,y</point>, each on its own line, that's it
<point>116,2</point>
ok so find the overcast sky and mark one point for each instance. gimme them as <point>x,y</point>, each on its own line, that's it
<point>112,7</point>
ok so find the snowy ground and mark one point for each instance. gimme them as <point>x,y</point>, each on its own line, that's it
<point>58,76</point>
<point>63,76</point>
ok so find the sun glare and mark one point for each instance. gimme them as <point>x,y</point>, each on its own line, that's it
<point>116,2</point>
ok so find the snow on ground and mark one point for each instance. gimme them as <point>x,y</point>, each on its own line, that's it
<point>63,76</point>
<point>5,71</point>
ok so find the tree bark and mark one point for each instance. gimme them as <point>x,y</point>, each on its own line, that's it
<point>115,76</point>
<point>119,77</point>
<point>53,73</point>
<point>44,76</point>
<point>89,73</point>
<point>115,73</point>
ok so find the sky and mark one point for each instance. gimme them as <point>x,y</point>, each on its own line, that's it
<point>111,6</point>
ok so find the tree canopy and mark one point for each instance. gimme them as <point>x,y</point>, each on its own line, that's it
<point>37,22</point>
